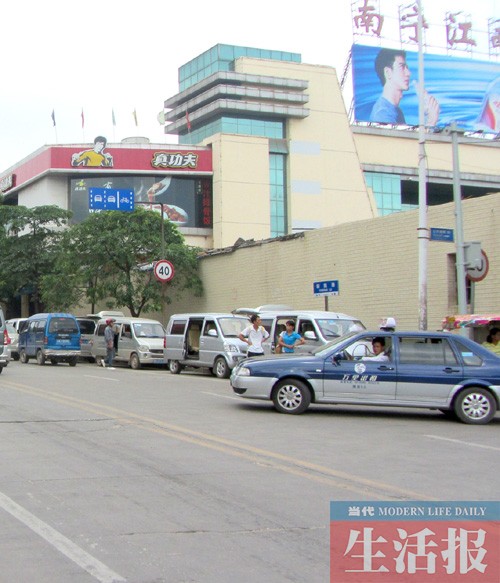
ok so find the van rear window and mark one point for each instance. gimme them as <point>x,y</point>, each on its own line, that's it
<point>178,327</point>
<point>87,326</point>
<point>62,324</point>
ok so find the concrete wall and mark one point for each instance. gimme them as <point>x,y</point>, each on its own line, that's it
<point>375,261</point>
<point>49,190</point>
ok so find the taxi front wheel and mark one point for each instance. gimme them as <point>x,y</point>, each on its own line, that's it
<point>475,406</point>
<point>291,396</point>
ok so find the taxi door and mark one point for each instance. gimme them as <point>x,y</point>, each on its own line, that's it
<point>359,380</point>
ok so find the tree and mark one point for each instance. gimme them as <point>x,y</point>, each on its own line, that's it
<point>28,248</point>
<point>99,258</point>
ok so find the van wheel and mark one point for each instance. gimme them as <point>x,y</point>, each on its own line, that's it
<point>73,360</point>
<point>40,358</point>
<point>174,366</point>
<point>221,369</point>
<point>134,362</point>
<point>23,357</point>
<point>53,361</point>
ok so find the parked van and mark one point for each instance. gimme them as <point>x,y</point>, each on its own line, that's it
<point>87,329</point>
<point>14,346</point>
<point>138,341</point>
<point>4,343</point>
<point>51,336</point>
<point>316,327</point>
<point>205,340</point>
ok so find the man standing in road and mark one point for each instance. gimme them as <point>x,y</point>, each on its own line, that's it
<point>254,336</point>
<point>109,339</point>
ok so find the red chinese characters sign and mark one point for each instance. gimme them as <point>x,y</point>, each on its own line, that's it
<point>418,542</point>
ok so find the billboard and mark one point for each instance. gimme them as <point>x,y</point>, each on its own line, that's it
<point>456,89</point>
<point>186,201</point>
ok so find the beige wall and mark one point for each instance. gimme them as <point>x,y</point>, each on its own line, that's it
<point>241,205</point>
<point>375,261</point>
<point>325,181</point>
<point>400,148</point>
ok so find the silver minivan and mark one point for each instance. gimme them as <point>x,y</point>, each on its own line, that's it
<point>316,327</point>
<point>138,341</point>
<point>208,340</point>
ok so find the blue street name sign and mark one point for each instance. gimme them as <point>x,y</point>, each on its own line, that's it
<point>442,235</point>
<point>326,288</point>
<point>111,199</point>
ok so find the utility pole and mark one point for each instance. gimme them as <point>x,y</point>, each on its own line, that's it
<point>459,225</point>
<point>423,231</point>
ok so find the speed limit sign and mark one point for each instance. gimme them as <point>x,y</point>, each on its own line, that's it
<point>163,270</point>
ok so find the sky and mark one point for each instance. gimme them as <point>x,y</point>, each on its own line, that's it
<point>124,56</point>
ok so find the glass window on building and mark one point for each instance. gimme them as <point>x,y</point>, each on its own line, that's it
<point>277,195</point>
<point>386,190</point>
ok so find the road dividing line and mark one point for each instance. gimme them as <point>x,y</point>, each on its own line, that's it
<point>460,442</point>
<point>68,548</point>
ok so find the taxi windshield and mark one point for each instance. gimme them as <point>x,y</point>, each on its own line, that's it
<point>327,348</point>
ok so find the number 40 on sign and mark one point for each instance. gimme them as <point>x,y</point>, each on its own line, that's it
<point>164,270</point>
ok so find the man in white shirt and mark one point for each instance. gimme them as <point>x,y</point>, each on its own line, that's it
<point>378,348</point>
<point>254,336</point>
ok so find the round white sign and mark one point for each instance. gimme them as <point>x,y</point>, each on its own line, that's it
<point>163,270</point>
<point>478,274</point>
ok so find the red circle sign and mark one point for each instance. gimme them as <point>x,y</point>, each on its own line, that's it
<point>481,272</point>
<point>164,270</point>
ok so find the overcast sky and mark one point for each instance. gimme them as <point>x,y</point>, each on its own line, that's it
<point>124,56</point>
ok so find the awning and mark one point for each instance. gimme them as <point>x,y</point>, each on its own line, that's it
<point>468,320</point>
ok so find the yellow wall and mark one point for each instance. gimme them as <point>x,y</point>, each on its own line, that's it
<point>375,261</point>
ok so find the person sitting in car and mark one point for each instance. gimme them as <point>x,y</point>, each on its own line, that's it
<point>379,351</point>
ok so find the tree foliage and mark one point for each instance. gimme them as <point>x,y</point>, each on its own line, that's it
<point>29,246</point>
<point>98,263</point>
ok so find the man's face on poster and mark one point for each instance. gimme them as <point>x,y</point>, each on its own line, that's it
<point>399,74</point>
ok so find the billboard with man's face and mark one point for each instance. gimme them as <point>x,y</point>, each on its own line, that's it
<point>461,90</point>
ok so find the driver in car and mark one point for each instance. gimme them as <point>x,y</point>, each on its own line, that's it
<point>378,349</point>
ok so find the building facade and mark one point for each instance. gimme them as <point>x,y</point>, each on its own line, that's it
<point>268,161</point>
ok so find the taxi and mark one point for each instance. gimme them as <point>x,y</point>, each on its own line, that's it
<point>432,370</point>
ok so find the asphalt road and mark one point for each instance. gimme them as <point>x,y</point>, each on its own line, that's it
<point>146,477</point>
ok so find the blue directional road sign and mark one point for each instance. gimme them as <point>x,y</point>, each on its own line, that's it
<point>442,235</point>
<point>111,199</point>
<point>326,288</point>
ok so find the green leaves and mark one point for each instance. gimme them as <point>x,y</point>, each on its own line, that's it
<point>98,262</point>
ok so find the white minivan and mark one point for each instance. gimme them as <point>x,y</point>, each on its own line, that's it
<point>208,340</point>
<point>138,341</point>
<point>316,327</point>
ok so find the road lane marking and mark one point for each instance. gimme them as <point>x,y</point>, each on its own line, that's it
<point>303,468</point>
<point>459,441</point>
<point>221,396</point>
<point>63,544</point>
<point>89,376</point>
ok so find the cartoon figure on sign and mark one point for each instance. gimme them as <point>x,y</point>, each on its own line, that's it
<point>94,157</point>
